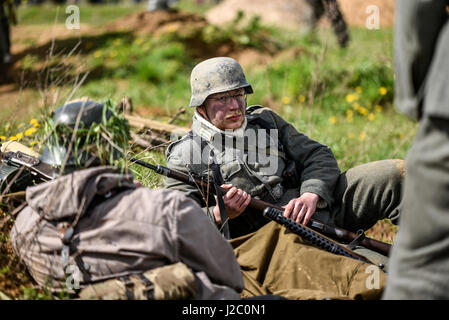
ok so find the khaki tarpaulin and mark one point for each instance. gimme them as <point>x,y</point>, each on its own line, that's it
<point>275,261</point>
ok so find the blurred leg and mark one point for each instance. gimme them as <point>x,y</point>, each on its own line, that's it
<point>419,264</point>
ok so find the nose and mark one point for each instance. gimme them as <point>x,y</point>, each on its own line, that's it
<point>233,103</point>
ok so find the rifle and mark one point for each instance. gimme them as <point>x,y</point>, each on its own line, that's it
<point>333,232</point>
<point>45,172</point>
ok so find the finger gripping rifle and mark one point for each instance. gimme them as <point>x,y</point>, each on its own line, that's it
<point>330,231</point>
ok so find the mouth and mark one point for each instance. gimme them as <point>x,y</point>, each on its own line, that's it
<point>234,118</point>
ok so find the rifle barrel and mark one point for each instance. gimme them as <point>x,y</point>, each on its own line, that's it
<point>330,231</point>
<point>311,236</point>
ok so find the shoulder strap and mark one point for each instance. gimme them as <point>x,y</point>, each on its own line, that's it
<point>218,181</point>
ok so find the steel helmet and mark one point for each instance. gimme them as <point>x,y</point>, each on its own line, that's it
<point>215,75</point>
<point>89,112</point>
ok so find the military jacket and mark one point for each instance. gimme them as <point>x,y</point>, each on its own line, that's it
<point>254,158</point>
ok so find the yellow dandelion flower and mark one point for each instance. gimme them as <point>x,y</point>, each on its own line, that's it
<point>35,123</point>
<point>358,90</point>
<point>19,135</point>
<point>371,117</point>
<point>285,100</point>
<point>12,138</point>
<point>301,98</point>
<point>382,91</point>
<point>378,108</point>
<point>113,53</point>
<point>362,136</point>
<point>2,138</point>
<point>98,53</point>
<point>34,143</point>
<point>30,131</point>
<point>363,111</point>
<point>333,120</point>
<point>351,135</point>
<point>351,97</point>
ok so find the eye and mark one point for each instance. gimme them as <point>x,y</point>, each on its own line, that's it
<point>221,99</point>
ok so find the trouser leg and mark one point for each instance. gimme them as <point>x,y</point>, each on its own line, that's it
<point>338,22</point>
<point>368,193</point>
<point>419,267</point>
<point>312,12</point>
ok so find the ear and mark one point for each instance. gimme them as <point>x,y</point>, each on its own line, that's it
<point>201,111</point>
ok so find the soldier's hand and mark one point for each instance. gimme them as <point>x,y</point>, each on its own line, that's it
<point>235,200</point>
<point>301,209</point>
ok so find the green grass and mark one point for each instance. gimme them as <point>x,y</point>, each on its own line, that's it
<point>96,15</point>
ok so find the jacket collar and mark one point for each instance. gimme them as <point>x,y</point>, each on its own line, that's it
<point>207,130</point>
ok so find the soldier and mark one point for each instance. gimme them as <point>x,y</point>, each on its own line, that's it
<point>93,223</point>
<point>261,155</point>
<point>420,260</point>
<point>317,8</point>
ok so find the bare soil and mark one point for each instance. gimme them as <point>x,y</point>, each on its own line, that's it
<point>287,13</point>
<point>157,22</point>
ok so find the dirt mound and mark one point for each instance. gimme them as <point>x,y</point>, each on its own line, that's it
<point>157,22</point>
<point>288,13</point>
<point>281,12</point>
<point>356,12</point>
<point>190,25</point>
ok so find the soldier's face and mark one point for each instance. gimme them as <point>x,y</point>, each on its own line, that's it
<point>225,110</point>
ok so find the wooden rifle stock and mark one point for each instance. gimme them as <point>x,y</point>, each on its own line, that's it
<point>259,205</point>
